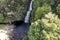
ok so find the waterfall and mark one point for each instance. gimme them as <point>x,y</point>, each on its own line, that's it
<point>28,13</point>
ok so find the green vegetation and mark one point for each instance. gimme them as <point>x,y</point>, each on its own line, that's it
<point>45,17</point>
<point>58,9</point>
<point>45,26</point>
<point>41,11</point>
<point>40,7</point>
<point>1,17</point>
<point>48,28</point>
<point>13,10</point>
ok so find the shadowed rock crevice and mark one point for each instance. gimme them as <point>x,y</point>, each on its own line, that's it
<point>17,23</point>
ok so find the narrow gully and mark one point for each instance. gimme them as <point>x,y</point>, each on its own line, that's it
<point>24,27</point>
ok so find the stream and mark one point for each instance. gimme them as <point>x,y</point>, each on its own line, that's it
<point>24,27</point>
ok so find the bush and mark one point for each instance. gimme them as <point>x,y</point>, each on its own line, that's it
<point>48,28</point>
<point>38,3</point>
<point>41,11</point>
<point>39,6</point>
<point>58,9</point>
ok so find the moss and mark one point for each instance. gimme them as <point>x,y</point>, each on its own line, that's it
<point>2,26</point>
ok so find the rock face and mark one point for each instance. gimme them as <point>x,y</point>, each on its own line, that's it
<point>3,33</point>
<point>7,33</point>
<point>12,10</point>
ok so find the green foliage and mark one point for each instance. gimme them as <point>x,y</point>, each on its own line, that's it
<point>25,37</point>
<point>18,7</point>
<point>41,11</point>
<point>40,7</point>
<point>48,28</point>
<point>34,32</point>
<point>13,10</point>
<point>49,2</point>
<point>58,9</point>
<point>38,3</point>
<point>1,18</point>
<point>3,1</point>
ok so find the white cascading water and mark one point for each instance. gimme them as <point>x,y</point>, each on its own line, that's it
<point>28,13</point>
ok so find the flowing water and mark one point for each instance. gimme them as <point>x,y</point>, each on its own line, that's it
<point>20,30</point>
<point>28,13</point>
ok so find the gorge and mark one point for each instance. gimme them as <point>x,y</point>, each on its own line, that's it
<point>19,30</point>
<point>23,29</point>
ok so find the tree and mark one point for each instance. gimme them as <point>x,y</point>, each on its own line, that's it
<point>48,28</point>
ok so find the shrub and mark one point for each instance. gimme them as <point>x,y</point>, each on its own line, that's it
<point>48,28</point>
<point>41,11</point>
<point>38,3</point>
<point>58,9</point>
<point>39,6</point>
